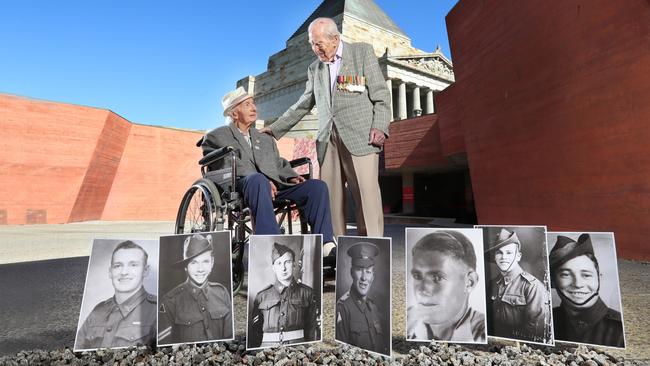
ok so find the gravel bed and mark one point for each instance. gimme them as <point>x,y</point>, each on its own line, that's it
<point>326,353</point>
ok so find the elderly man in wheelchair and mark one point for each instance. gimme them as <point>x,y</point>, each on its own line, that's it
<point>245,181</point>
<point>262,175</point>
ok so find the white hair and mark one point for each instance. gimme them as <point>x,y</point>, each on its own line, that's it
<point>330,28</point>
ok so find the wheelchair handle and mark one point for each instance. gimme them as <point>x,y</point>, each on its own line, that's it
<point>215,155</point>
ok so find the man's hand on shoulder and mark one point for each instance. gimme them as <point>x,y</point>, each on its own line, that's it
<point>296,180</point>
<point>376,138</point>
<point>267,130</point>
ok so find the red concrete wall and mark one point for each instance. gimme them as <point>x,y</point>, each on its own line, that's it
<point>555,111</point>
<point>45,151</point>
<point>157,166</point>
<point>64,163</point>
<point>100,174</point>
<point>414,144</point>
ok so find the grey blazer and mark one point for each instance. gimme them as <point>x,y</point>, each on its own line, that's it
<point>263,157</point>
<point>353,113</point>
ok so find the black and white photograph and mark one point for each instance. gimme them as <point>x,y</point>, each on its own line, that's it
<point>196,287</point>
<point>586,291</point>
<point>119,303</point>
<point>518,283</point>
<point>285,290</point>
<point>445,289</point>
<point>363,293</point>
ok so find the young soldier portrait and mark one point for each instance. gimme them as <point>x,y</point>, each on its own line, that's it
<point>364,293</point>
<point>445,298</point>
<point>286,310</point>
<point>199,308</point>
<point>128,316</point>
<point>584,275</point>
<point>518,305</point>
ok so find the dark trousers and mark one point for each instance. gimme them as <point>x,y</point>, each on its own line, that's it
<point>311,194</point>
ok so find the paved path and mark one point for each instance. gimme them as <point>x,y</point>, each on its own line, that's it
<point>40,300</point>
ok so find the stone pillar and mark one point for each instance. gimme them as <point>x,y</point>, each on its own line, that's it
<point>430,108</point>
<point>408,193</point>
<point>417,110</point>
<point>401,105</point>
<point>389,85</point>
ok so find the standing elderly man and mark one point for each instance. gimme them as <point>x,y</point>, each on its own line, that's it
<point>358,320</point>
<point>197,310</point>
<point>517,306</point>
<point>127,318</point>
<point>286,311</point>
<point>262,174</point>
<point>349,90</point>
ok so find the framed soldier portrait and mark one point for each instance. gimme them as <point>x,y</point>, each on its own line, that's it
<point>363,293</point>
<point>445,289</point>
<point>196,289</point>
<point>119,303</point>
<point>586,291</point>
<point>285,290</point>
<point>517,283</point>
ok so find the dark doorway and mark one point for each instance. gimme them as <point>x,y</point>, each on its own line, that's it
<point>447,194</point>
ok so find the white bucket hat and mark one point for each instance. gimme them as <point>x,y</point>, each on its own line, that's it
<point>231,99</point>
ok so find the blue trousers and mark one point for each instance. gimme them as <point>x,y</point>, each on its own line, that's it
<point>311,194</point>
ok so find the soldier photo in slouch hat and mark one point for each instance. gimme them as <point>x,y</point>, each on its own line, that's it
<point>128,317</point>
<point>364,293</point>
<point>287,310</point>
<point>518,303</point>
<point>199,309</point>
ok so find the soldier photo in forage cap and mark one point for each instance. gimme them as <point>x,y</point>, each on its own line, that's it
<point>284,290</point>
<point>196,281</point>
<point>584,274</point>
<point>518,302</point>
<point>445,296</point>
<point>363,293</point>
<point>119,304</point>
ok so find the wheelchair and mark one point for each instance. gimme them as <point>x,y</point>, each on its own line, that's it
<point>212,203</point>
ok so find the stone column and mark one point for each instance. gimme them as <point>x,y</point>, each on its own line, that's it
<point>430,108</point>
<point>389,85</point>
<point>401,106</point>
<point>417,110</point>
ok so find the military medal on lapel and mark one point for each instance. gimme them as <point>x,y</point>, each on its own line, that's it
<point>351,83</point>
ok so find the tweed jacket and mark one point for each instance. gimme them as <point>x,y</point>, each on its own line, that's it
<point>263,157</point>
<point>354,114</point>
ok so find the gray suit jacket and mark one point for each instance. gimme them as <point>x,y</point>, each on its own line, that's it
<point>353,113</point>
<point>263,157</point>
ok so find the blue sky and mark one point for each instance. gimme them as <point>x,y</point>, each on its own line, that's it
<point>164,62</point>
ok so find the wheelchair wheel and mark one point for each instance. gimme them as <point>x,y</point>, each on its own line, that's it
<point>199,208</point>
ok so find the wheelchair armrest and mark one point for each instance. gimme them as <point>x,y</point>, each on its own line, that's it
<point>215,155</point>
<point>300,161</point>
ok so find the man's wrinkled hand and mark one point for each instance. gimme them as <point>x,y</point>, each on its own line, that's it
<point>296,180</point>
<point>267,130</point>
<point>377,137</point>
<point>274,190</point>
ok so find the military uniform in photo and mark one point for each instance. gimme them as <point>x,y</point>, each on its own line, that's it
<point>197,313</point>
<point>283,314</point>
<point>517,306</point>
<point>471,326</point>
<point>110,324</point>
<point>358,320</point>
